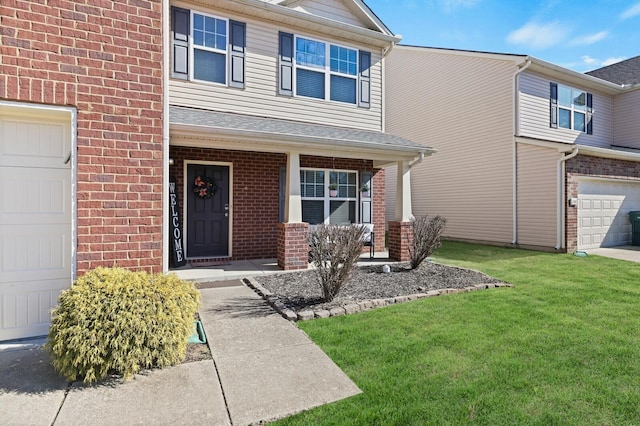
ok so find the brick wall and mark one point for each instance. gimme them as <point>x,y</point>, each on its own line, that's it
<point>400,237</point>
<point>293,246</point>
<point>103,57</point>
<point>584,165</point>
<point>255,194</point>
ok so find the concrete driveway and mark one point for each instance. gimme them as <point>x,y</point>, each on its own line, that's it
<point>630,253</point>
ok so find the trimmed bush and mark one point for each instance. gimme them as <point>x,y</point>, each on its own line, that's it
<point>334,251</point>
<point>426,238</point>
<point>115,321</point>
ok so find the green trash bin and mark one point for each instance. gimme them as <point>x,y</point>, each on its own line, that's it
<point>634,218</point>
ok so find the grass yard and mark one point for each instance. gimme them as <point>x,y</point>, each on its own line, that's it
<point>560,348</point>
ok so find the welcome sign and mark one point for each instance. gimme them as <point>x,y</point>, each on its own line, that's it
<point>175,226</point>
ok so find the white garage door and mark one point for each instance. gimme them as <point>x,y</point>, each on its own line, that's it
<point>35,220</point>
<point>603,212</point>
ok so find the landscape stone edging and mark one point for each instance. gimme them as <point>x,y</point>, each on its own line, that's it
<point>361,306</point>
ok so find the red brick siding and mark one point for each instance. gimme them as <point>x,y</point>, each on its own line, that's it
<point>584,165</point>
<point>255,194</point>
<point>104,58</point>
<point>293,246</point>
<point>400,236</point>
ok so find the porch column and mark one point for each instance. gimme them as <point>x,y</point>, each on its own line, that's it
<point>293,234</point>
<point>400,235</point>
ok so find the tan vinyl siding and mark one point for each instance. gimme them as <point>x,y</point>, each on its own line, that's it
<point>332,9</point>
<point>537,195</point>
<point>626,119</point>
<point>535,114</point>
<point>462,105</point>
<point>260,94</point>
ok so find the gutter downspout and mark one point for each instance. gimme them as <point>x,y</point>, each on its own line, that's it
<point>165,136</point>
<point>516,132</point>
<point>417,161</point>
<point>560,225</point>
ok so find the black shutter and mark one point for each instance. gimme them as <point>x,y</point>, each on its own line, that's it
<point>237,47</point>
<point>180,42</point>
<point>364,77</point>
<point>285,75</point>
<point>589,114</point>
<point>553,98</point>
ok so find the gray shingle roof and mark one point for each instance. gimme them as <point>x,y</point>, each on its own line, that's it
<point>625,72</point>
<point>337,136</point>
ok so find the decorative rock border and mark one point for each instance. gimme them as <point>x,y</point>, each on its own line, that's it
<point>364,305</point>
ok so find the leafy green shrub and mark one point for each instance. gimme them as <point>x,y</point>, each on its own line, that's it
<point>113,320</point>
<point>426,238</point>
<point>334,251</point>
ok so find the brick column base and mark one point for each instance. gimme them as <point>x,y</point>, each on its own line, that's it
<point>293,246</point>
<point>400,236</point>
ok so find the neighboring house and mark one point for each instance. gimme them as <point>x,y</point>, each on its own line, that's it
<point>102,106</point>
<point>273,101</point>
<point>529,153</point>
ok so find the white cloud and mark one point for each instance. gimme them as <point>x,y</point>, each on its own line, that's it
<point>588,39</point>
<point>538,36</point>
<point>631,12</point>
<point>589,60</point>
<point>611,61</point>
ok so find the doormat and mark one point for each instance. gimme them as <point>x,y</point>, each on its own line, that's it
<point>201,263</point>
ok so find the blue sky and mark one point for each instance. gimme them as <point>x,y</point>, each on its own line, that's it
<point>580,35</point>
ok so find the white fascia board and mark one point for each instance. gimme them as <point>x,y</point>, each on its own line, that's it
<point>275,142</point>
<point>608,153</point>
<point>518,59</point>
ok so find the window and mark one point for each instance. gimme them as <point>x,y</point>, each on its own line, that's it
<point>571,108</point>
<point>207,48</point>
<point>328,196</point>
<point>323,71</point>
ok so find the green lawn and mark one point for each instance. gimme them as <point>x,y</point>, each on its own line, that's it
<point>560,348</point>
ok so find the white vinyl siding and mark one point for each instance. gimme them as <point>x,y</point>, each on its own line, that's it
<point>462,105</point>
<point>626,122</point>
<point>259,96</point>
<point>537,195</point>
<point>535,114</point>
<point>332,9</point>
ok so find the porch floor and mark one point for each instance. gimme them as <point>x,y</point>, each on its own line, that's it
<point>248,268</point>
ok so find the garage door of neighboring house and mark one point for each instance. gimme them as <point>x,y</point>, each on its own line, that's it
<point>35,217</point>
<point>603,212</point>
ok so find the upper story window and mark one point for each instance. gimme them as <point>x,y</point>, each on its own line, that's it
<point>207,48</point>
<point>571,108</point>
<point>321,70</point>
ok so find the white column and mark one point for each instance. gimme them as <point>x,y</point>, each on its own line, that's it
<point>293,201</point>
<point>403,193</point>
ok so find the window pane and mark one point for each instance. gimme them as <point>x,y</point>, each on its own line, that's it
<point>310,53</point>
<point>343,60</point>
<point>198,21</point>
<point>198,38</point>
<point>342,212</point>
<point>579,100</point>
<point>313,212</point>
<point>564,96</point>
<point>209,32</point>
<point>578,121</point>
<point>209,66</point>
<point>310,83</point>
<point>564,118</point>
<point>320,177</point>
<point>343,89</point>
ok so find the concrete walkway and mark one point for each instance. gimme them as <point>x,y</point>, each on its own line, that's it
<point>263,368</point>
<point>630,253</point>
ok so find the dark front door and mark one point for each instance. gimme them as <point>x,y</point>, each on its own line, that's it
<point>208,216</point>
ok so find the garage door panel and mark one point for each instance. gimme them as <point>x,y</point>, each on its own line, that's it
<point>35,195</point>
<point>34,252</point>
<point>603,209</point>
<point>28,307</point>
<point>33,144</point>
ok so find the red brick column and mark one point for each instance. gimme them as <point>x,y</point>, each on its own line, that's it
<point>400,236</point>
<point>293,246</point>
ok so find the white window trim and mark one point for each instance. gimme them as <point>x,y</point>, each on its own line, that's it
<point>192,48</point>
<point>572,110</point>
<point>327,69</point>
<point>327,198</point>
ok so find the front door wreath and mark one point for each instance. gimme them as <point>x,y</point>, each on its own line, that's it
<point>204,186</point>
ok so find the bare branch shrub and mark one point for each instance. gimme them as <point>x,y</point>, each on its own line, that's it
<point>334,252</point>
<point>426,238</point>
